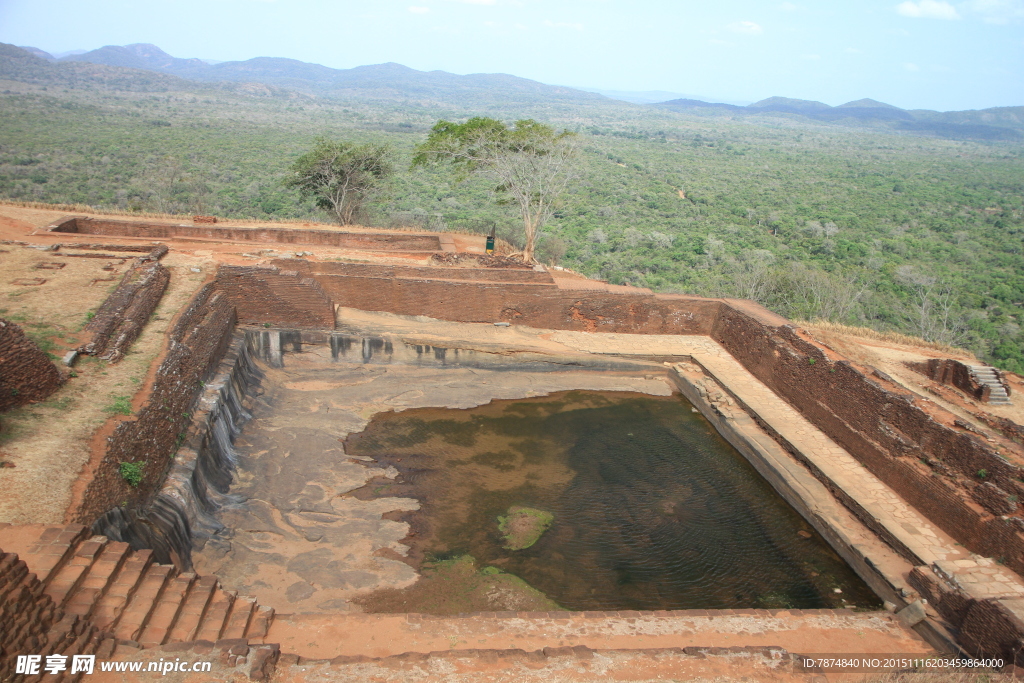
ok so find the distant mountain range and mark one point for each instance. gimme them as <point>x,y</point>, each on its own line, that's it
<point>379,81</point>
<point>647,96</point>
<point>996,123</point>
<point>489,92</point>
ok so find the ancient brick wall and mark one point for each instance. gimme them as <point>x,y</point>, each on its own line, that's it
<point>986,628</point>
<point>533,304</point>
<point>989,629</point>
<point>197,341</point>
<point>881,425</point>
<point>406,242</point>
<point>275,297</point>
<point>315,268</point>
<point>124,313</point>
<point>26,373</point>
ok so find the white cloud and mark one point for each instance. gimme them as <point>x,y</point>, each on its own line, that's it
<point>927,9</point>
<point>477,2</point>
<point>563,24</point>
<point>418,10</point>
<point>997,11</point>
<point>910,66</point>
<point>747,27</point>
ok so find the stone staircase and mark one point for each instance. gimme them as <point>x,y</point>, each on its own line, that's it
<point>986,376</point>
<point>124,594</point>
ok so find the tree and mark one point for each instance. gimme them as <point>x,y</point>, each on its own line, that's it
<point>932,308</point>
<point>531,162</point>
<point>342,177</point>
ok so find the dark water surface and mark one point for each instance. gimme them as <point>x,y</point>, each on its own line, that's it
<point>653,508</point>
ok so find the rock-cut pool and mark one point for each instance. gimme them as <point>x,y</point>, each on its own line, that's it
<point>652,508</point>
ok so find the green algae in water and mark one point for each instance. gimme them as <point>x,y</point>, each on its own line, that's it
<point>652,508</point>
<point>523,526</point>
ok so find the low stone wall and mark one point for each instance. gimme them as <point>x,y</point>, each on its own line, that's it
<point>197,342</point>
<point>124,313</point>
<point>26,373</point>
<point>403,242</point>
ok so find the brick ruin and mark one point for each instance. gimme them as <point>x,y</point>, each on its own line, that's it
<point>954,373</point>
<point>119,321</point>
<point>915,449</point>
<point>408,243</point>
<point>27,374</point>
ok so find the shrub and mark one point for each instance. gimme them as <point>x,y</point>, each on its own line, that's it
<point>131,472</point>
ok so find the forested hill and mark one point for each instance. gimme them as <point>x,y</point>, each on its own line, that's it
<point>377,82</point>
<point>812,218</point>
<point>996,123</point>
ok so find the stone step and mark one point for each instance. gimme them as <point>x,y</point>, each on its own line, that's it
<point>241,615</point>
<point>12,573</point>
<point>100,577</point>
<point>165,611</point>
<point>186,627</point>
<point>108,609</point>
<point>214,619</point>
<point>43,547</point>
<point>136,613</point>
<point>61,635</point>
<point>260,624</point>
<point>66,580</point>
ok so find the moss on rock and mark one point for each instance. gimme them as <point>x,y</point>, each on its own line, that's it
<point>523,526</point>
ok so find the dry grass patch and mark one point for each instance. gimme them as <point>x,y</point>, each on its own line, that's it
<point>875,335</point>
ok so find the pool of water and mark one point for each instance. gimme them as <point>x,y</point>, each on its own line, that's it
<point>652,508</point>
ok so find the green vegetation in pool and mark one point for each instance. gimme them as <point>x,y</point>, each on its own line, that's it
<point>523,526</point>
<point>651,508</point>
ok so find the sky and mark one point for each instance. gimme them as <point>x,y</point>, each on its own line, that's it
<point>915,54</point>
